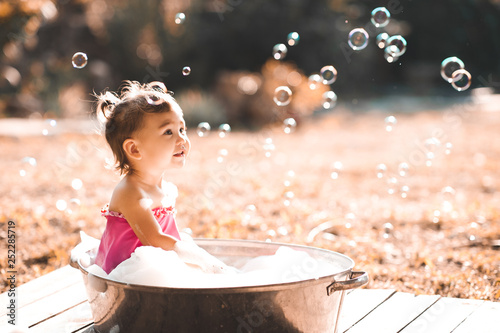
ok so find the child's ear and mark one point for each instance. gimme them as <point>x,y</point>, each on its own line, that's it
<point>131,149</point>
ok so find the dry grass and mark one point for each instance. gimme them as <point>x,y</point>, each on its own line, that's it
<point>439,244</point>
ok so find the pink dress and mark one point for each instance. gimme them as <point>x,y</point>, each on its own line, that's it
<point>119,241</point>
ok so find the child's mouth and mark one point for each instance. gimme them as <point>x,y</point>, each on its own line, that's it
<point>179,154</point>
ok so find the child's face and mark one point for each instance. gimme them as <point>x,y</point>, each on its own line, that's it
<point>162,140</point>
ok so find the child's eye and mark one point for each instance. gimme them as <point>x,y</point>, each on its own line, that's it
<point>168,132</point>
<point>182,130</point>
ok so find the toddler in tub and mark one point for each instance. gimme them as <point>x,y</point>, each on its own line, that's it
<point>145,128</point>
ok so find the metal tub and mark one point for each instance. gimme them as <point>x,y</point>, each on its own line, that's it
<point>311,305</point>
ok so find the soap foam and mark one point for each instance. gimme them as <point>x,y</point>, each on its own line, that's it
<point>156,267</point>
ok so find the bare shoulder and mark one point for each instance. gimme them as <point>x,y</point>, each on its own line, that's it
<point>126,194</point>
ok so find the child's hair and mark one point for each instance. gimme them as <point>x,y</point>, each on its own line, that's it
<point>123,114</point>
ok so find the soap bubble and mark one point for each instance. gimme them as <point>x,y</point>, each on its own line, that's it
<point>180,18</point>
<point>186,71</point>
<point>61,205</point>
<point>431,146</point>
<point>403,169</point>
<point>73,206</point>
<point>222,155</point>
<point>289,125</point>
<point>396,46</point>
<point>224,130</point>
<point>449,66</point>
<point>49,125</point>
<point>279,51</point>
<point>328,74</point>
<point>380,17</point>
<point>28,165</point>
<point>249,215</point>
<point>293,38</point>
<point>329,100</point>
<point>381,170</point>
<point>203,129</point>
<point>290,176</point>
<point>358,39</point>
<point>79,60</point>
<point>289,195</point>
<point>404,191</point>
<point>447,148</point>
<point>314,81</point>
<point>76,183</point>
<point>461,80</point>
<point>282,96</point>
<point>268,147</point>
<point>448,193</point>
<point>390,121</point>
<point>392,182</point>
<point>382,40</point>
<point>388,54</point>
<point>336,168</point>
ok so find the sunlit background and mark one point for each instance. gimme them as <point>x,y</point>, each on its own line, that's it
<point>366,127</point>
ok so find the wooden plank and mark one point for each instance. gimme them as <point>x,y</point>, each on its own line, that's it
<point>394,314</point>
<point>485,319</point>
<point>358,303</point>
<point>443,316</point>
<point>42,287</point>
<point>44,308</point>
<point>72,320</point>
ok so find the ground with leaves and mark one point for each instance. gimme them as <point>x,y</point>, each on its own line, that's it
<point>442,237</point>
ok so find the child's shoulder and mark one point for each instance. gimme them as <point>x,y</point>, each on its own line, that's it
<point>170,193</point>
<point>125,193</point>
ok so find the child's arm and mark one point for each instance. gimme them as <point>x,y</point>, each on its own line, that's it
<point>147,229</point>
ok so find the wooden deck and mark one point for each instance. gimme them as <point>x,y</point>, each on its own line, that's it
<point>57,302</point>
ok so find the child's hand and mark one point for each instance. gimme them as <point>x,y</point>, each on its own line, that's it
<point>192,254</point>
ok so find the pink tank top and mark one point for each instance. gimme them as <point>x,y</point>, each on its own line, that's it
<point>119,241</point>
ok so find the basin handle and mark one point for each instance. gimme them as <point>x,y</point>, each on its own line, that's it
<point>356,279</point>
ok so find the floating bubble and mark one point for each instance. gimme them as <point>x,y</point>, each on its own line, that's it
<point>76,183</point>
<point>154,99</point>
<point>358,39</point>
<point>73,206</point>
<point>449,66</point>
<point>396,46</point>
<point>328,74</point>
<point>389,57</point>
<point>289,195</point>
<point>203,129</point>
<point>461,80</point>
<point>350,220</point>
<point>61,205</point>
<point>403,169</point>
<point>293,38</point>
<point>28,165</point>
<point>279,51</point>
<point>222,155</point>
<point>447,148</point>
<point>180,18</point>
<point>282,96</point>
<point>382,40</point>
<point>381,170</point>
<point>249,214</point>
<point>268,147</point>
<point>431,146</point>
<point>391,185</point>
<point>289,125</point>
<point>224,130</point>
<point>390,121</point>
<point>380,17</point>
<point>290,176</point>
<point>186,70</point>
<point>314,81</point>
<point>50,124</point>
<point>404,191</point>
<point>448,193</point>
<point>282,231</point>
<point>388,229</point>
<point>329,100</point>
<point>79,60</point>
<point>336,169</point>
